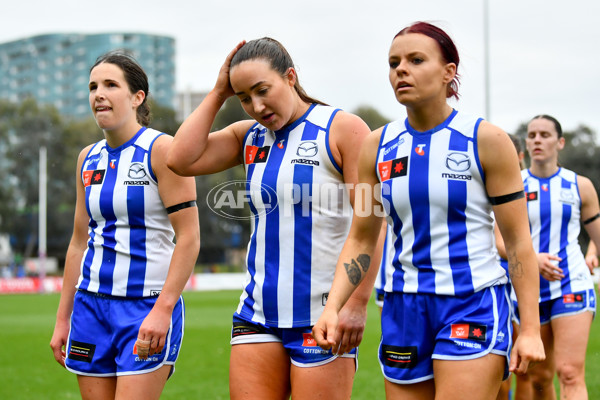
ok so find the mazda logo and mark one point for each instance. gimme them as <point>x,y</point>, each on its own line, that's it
<point>136,171</point>
<point>307,149</point>
<point>458,162</point>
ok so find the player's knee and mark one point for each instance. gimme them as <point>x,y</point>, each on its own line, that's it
<point>570,374</point>
<point>541,377</point>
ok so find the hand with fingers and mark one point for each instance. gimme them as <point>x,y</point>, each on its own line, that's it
<point>222,87</point>
<point>153,333</point>
<point>527,350</point>
<point>349,333</point>
<point>548,265</point>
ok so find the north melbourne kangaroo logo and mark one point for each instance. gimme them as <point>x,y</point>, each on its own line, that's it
<point>458,162</point>
<point>307,149</point>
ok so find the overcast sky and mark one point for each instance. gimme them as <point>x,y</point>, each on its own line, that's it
<point>544,53</point>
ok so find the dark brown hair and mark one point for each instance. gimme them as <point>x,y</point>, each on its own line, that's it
<point>134,75</point>
<point>278,58</point>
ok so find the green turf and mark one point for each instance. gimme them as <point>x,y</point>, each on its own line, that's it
<point>28,370</point>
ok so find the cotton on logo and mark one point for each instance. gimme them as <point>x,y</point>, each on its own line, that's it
<point>309,340</point>
<point>419,149</point>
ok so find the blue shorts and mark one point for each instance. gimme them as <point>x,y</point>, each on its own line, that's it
<point>104,330</point>
<point>298,342</point>
<point>417,328</point>
<point>568,304</point>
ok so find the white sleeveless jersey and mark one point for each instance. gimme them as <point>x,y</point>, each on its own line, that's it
<point>130,236</point>
<point>553,206</point>
<point>433,193</point>
<point>301,216</point>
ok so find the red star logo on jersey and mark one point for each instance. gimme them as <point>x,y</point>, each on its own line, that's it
<point>393,168</point>
<point>255,154</point>
<point>93,177</point>
<point>532,196</point>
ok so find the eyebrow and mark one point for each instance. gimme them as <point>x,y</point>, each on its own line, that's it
<point>251,87</point>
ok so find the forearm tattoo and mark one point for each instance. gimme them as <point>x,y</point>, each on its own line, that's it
<point>354,271</point>
<point>515,267</point>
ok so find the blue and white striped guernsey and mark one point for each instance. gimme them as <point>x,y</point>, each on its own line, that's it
<point>434,197</point>
<point>130,236</point>
<point>553,205</point>
<point>300,219</point>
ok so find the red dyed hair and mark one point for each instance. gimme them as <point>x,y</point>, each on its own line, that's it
<point>446,45</point>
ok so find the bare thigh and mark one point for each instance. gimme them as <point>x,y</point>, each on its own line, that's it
<point>129,387</point>
<point>143,386</point>
<point>259,371</point>
<point>331,381</point>
<point>479,378</point>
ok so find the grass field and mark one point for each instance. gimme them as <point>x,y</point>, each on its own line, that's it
<point>28,370</point>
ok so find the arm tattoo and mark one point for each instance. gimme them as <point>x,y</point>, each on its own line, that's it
<point>515,267</point>
<point>365,261</point>
<point>353,270</point>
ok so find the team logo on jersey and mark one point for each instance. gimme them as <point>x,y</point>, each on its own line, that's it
<point>307,149</point>
<point>420,149</point>
<point>566,196</point>
<point>255,154</point>
<point>136,171</point>
<point>458,162</point>
<point>80,351</point>
<point>308,340</point>
<point>531,196</point>
<point>399,356</point>
<point>468,331</point>
<point>95,177</point>
<point>545,187</point>
<point>393,168</point>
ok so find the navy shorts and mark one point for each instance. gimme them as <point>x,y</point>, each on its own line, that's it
<point>103,334</point>
<point>568,304</point>
<point>298,342</point>
<point>418,328</point>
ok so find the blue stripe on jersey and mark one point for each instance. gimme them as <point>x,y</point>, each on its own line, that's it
<point>545,219</point>
<point>270,175</point>
<point>303,224</point>
<point>329,153</point>
<point>109,255</point>
<point>476,129</point>
<point>92,224</point>
<point>564,231</point>
<point>137,233</point>
<point>251,264</point>
<point>419,203</point>
<point>390,153</point>
<point>457,223</point>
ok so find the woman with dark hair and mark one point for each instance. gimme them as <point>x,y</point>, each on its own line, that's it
<point>559,202</point>
<point>120,319</point>
<point>446,331</point>
<point>300,160</point>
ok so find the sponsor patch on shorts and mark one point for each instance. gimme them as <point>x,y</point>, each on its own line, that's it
<point>399,356</point>
<point>469,331</point>
<point>573,299</point>
<point>308,340</point>
<point>80,351</point>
